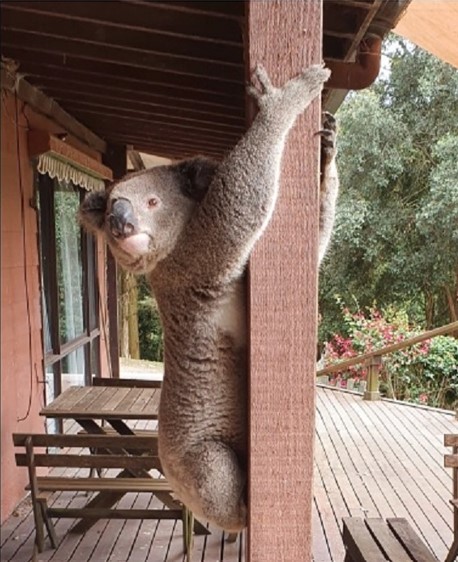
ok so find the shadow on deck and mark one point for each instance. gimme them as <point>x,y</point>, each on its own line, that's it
<point>375,459</point>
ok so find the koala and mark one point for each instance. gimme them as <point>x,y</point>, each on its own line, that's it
<point>190,227</point>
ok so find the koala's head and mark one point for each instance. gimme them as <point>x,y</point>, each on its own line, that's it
<point>143,215</point>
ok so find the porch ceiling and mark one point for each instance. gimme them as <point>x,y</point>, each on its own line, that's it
<point>167,78</point>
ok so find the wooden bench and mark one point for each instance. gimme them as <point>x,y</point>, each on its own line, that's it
<point>377,540</point>
<point>150,433</point>
<point>135,454</point>
<point>451,461</point>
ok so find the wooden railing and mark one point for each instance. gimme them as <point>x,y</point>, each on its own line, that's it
<point>373,359</point>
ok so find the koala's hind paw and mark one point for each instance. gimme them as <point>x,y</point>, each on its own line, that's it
<point>328,120</point>
<point>328,137</point>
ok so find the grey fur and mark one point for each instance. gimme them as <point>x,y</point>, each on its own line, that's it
<point>193,242</point>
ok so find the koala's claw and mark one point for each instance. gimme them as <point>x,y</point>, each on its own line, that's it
<point>327,139</point>
<point>262,77</point>
<point>328,136</point>
<point>329,121</point>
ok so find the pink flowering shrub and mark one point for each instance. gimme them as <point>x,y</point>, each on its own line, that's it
<point>426,373</point>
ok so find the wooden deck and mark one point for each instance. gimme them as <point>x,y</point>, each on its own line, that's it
<point>380,459</point>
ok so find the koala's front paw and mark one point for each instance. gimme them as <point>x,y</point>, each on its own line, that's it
<point>294,96</point>
<point>328,138</point>
<point>307,85</point>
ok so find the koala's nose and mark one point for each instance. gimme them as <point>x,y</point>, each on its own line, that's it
<point>121,220</point>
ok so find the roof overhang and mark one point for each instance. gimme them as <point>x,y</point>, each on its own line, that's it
<point>168,78</point>
<point>432,25</point>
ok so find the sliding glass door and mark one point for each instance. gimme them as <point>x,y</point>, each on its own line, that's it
<point>70,295</point>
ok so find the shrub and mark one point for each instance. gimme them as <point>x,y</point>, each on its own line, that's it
<point>425,373</point>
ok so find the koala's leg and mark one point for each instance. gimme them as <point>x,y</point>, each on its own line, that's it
<point>215,486</point>
<point>329,186</point>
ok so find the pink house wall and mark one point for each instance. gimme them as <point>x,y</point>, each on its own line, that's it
<point>22,389</point>
<point>21,347</point>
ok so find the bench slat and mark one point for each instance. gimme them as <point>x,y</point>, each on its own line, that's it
<point>136,432</point>
<point>374,540</point>
<point>91,461</point>
<point>410,540</point>
<point>107,513</point>
<point>387,541</point>
<point>451,440</point>
<point>53,484</point>
<point>360,544</point>
<point>110,441</point>
<point>451,461</point>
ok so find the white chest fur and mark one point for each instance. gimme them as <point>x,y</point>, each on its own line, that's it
<point>230,315</point>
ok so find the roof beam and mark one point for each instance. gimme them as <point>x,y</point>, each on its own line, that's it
<point>45,105</point>
<point>152,19</point>
<point>161,80</point>
<point>136,160</point>
<point>206,130</point>
<point>134,58</point>
<point>235,9</point>
<point>123,91</point>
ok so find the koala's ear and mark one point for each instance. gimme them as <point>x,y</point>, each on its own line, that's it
<point>196,175</point>
<point>92,211</point>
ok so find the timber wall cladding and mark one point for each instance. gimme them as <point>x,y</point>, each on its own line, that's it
<point>21,361</point>
<point>286,38</point>
<point>21,357</point>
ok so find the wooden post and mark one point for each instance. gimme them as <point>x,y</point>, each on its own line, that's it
<point>285,36</point>
<point>373,369</point>
<point>116,159</point>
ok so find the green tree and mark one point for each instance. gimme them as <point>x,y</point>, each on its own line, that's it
<point>396,235</point>
<point>149,324</point>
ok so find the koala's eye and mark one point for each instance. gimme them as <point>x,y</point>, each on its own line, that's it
<point>153,202</point>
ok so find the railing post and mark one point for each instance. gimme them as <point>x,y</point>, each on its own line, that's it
<point>372,389</point>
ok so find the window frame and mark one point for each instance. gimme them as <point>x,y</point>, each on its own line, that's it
<point>91,337</point>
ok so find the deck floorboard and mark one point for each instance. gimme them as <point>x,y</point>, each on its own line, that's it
<point>375,459</point>
<point>386,458</point>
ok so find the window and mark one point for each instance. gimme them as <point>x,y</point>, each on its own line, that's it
<point>71,332</point>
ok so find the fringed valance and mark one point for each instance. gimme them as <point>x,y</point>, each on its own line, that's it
<point>66,163</point>
<point>64,171</point>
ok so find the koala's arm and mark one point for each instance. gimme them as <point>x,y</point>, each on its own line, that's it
<point>242,195</point>
<point>329,182</point>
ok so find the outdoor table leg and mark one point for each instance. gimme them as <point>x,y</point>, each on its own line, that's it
<point>108,499</point>
<point>123,429</point>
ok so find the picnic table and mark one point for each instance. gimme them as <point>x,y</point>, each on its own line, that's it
<point>92,407</point>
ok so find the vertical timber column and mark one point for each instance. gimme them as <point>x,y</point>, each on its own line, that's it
<point>285,36</point>
<point>116,159</point>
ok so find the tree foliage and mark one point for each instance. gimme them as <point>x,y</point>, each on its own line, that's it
<point>149,324</point>
<point>396,235</point>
